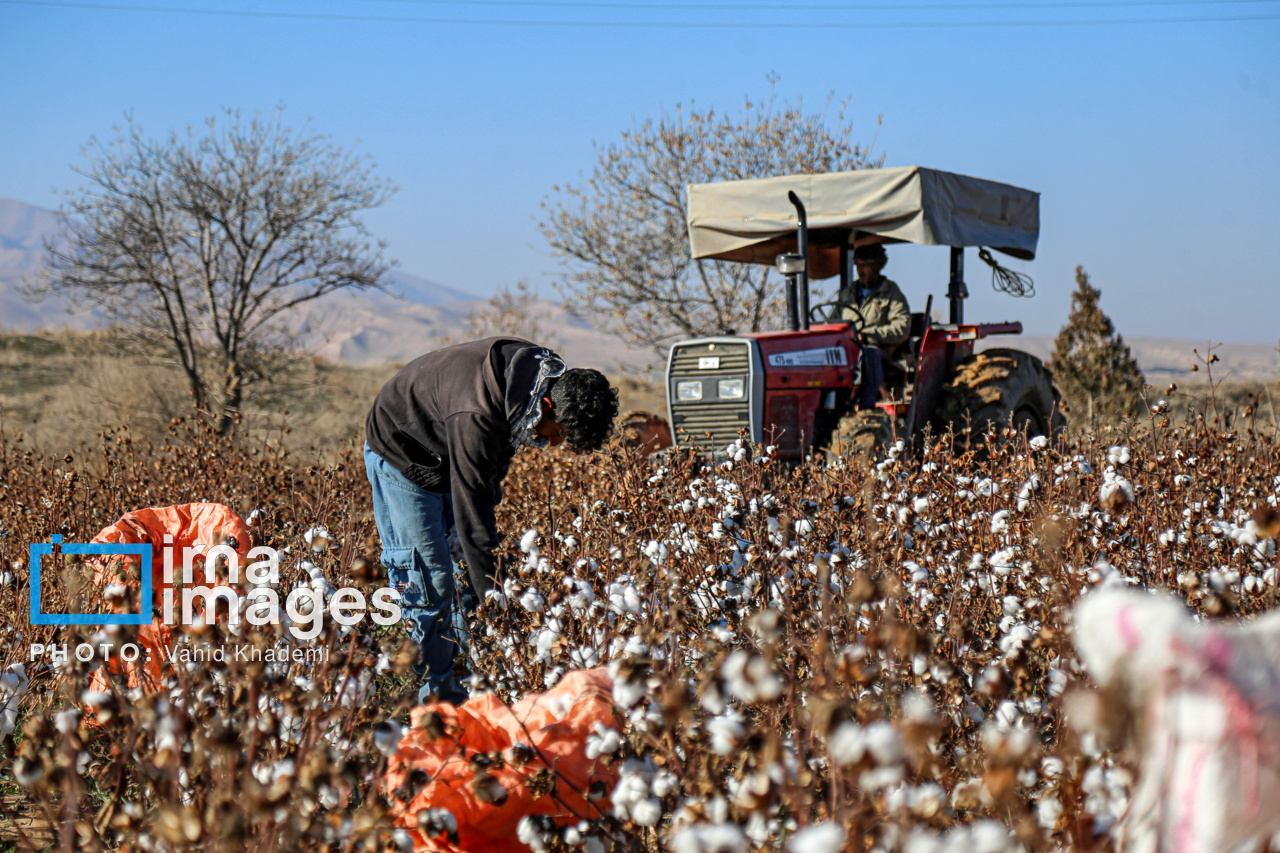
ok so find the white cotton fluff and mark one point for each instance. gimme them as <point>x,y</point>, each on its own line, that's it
<point>750,678</point>
<point>983,836</point>
<point>603,741</point>
<point>1113,486</point>
<point>1000,522</point>
<point>533,601</point>
<point>318,537</point>
<point>1004,561</point>
<point>725,731</point>
<point>624,597</point>
<point>531,834</point>
<point>67,721</point>
<point>820,838</point>
<point>529,543</point>
<point>1118,455</point>
<point>632,797</point>
<point>850,742</point>
<point>709,838</point>
<point>435,822</point>
<point>13,686</point>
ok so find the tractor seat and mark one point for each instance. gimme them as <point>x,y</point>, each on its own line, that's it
<point>904,355</point>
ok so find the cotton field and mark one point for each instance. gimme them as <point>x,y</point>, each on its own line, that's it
<point>836,656</point>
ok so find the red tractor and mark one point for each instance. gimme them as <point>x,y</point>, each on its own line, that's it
<point>794,388</point>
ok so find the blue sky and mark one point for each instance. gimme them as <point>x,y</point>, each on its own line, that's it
<point>1156,146</point>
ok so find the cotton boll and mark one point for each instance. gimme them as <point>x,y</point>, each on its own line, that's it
<point>604,741</point>
<point>664,783</point>
<point>750,678</point>
<point>709,838</point>
<point>725,731</point>
<point>1000,522</point>
<point>820,838</point>
<point>1116,492</point>
<point>1004,561</point>
<point>13,686</point>
<point>918,708</point>
<point>317,537</point>
<point>847,744</point>
<point>647,812</point>
<point>529,542</point>
<point>536,833</point>
<point>532,601</point>
<point>67,721</point>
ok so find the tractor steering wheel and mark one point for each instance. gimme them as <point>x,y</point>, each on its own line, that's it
<point>819,314</point>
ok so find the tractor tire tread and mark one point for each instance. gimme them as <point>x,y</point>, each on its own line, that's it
<point>861,434</point>
<point>986,389</point>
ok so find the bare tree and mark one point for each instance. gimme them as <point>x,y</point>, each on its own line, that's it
<point>201,244</point>
<point>623,233</point>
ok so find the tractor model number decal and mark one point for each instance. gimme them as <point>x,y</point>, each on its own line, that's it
<point>709,362</point>
<point>821,357</point>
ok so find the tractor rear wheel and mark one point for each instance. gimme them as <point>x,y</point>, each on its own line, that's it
<point>867,434</point>
<point>997,388</point>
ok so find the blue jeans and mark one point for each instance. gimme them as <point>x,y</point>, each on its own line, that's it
<point>872,377</point>
<point>414,525</point>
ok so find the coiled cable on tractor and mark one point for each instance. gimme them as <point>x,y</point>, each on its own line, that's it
<point>1006,280</point>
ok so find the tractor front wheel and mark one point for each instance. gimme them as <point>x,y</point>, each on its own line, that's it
<point>998,388</point>
<point>864,434</point>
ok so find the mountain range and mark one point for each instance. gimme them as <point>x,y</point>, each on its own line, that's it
<point>415,314</point>
<point>371,327</point>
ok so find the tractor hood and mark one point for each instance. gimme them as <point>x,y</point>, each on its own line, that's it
<point>752,220</point>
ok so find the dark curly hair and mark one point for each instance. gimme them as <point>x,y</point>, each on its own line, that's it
<point>584,404</point>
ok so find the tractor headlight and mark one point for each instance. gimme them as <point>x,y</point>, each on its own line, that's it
<point>689,390</point>
<point>730,389</point>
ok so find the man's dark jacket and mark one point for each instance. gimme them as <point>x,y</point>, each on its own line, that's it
<point>445,422</point>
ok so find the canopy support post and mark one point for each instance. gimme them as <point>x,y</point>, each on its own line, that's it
<point>802,247</point>
<point>956,291</point>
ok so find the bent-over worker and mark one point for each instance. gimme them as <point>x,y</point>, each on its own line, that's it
<point>885,317</point>
<point>438,442</point>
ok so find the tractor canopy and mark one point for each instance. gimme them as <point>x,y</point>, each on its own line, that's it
<point>753,221</point>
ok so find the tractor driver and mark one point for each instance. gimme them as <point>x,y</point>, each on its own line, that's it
<point>885,317</point>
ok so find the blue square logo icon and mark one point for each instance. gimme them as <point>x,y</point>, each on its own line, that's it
<point>40,549</point>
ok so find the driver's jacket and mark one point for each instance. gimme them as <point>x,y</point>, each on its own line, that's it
<point>886,317</point>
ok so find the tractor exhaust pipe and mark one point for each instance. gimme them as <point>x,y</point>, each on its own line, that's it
<point>802,248</point>
<point>791,266</point>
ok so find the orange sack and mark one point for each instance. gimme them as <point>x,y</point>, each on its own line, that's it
<point>190,525</point>
<point>455,746</point>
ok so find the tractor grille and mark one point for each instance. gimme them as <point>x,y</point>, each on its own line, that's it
<point>734,359</point>
<point>693,420</point>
